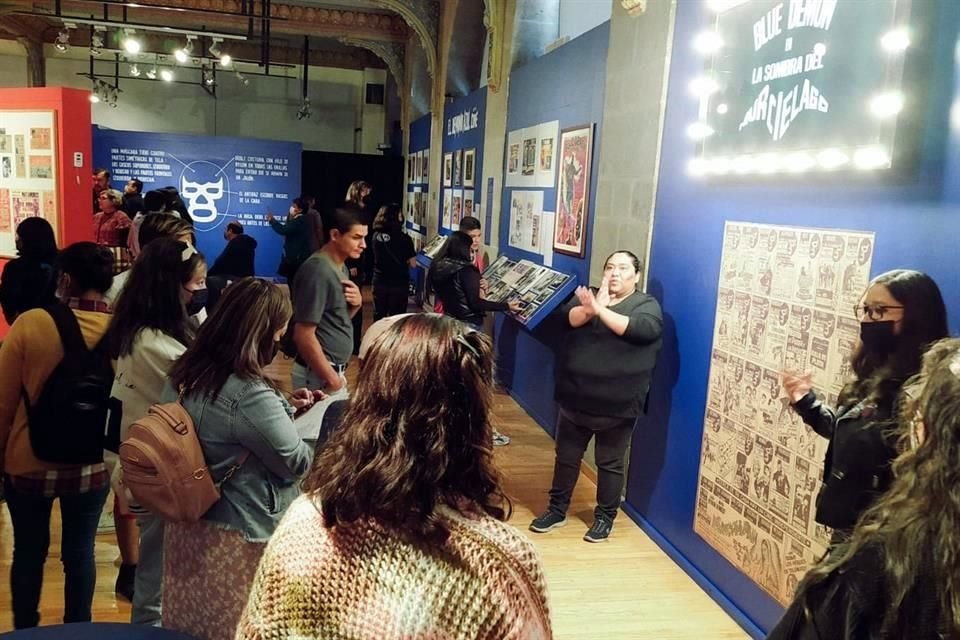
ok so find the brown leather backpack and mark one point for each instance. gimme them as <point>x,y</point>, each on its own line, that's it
<point>164,468</point>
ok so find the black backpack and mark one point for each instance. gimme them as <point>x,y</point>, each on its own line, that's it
<point>68,423</point>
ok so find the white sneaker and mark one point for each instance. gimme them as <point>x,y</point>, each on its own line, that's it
<point>499,439</point>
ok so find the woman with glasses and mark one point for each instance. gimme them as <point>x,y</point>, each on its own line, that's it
<point>901,314</point>
<point>896,576</point>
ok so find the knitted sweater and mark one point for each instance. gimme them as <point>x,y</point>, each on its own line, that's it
<point>364,582</point>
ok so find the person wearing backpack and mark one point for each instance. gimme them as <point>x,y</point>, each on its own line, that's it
<point>149,332</point>
<point>251,447</point>
<point>54,390</point>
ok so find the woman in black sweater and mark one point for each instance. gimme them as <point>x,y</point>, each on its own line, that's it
<point>28,281</point>
<point>456,281</point>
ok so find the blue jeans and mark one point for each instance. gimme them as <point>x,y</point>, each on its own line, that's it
<point>30,515</point>
<point>148,584</point>
<point>303,377</point>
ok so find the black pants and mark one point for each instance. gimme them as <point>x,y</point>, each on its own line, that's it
<point>389,300</point>
<point>574,430</point>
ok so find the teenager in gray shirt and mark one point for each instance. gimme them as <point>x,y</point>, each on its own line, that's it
<point>325,301</point>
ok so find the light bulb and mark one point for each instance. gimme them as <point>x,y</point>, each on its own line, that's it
<point>166,75</point>
<point>707,43</point>
<point>886,105</point>
<point>895,41</point>
<point>226,60</point>
<point>130,44</point>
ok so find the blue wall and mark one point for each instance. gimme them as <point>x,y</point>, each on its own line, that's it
<point>915,220</point>
<point>567,85</point>
<point>473,108</point>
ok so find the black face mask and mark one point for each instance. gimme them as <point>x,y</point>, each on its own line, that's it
<point>878,336</point>
<point>198,300</point>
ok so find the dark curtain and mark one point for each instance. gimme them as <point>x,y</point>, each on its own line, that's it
<point>327,176</point>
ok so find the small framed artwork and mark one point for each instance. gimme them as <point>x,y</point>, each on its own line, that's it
<point>448,169</point>
<point>458,168</point>
<point>469,167</point>
<point>426,166</point>
<point>410,168</point>
<point>573,211</point>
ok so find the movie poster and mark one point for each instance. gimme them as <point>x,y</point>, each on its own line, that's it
<point>785,303</point>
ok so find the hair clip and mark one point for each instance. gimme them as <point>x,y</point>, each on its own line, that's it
<point>188,252</point>
<point>462,339</point>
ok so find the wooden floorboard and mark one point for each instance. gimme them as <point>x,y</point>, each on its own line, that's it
<point>622,589</point>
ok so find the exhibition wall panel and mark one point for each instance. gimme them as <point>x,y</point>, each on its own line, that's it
<point>68,154</point>
<point>567,86</point>
<point>907,209</point>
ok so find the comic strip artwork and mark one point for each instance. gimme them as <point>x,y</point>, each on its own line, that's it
<point>785,303</point>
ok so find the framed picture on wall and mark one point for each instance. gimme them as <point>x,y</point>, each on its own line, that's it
<point>458,168</point>
<point>573,208</point>
<point>426,166</point>
<point>469,167</point>
<point>448,169</point>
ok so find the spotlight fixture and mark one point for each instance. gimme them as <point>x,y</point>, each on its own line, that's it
<point>96,40</point>
<point>208,78</point>
<point>152,72</point>
<point>895,41</point>
<point>166,75</point>
<point>183,54</point>
<point>216,51</point>
<point>243,80</point>
<point>130,43</point>
<point>62,43</point>
<point>134,70</point>
<point>304,112</point>
<point>95,92</point>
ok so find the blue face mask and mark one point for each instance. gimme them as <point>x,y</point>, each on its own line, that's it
<point>198,300</point>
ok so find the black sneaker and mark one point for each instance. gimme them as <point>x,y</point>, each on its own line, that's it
<point>599,531</point>
<point>548,522</point>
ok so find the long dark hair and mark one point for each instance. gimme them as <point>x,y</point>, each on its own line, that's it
<point>37,241</point>
<point>456,247</point>
<point>389,218</point>
<point>412,443</point>
<point>880,376</point>
<point>915,526</point>
<point>236,339</point>
<point>151,298</point>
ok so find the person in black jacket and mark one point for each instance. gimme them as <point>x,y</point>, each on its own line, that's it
<point>603,376</point>
<point>132,197</point>
<point>393,257</point>
<point>456,281</point>
<point>238,256</point>
<point>901,314</point>
<point>28,281</point>
<point>896,576</point>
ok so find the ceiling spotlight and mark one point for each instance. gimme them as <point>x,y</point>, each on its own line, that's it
<point>166,75</point>
<point>208,78</point>
<point>183,55</point>
<point>62,43</point>
<point>243,80</point>
<point>134,70</point>
<point>722,108</point>
<point>96,41</point>
<point>130,44</point>
<point>152,72</point>
<point>895,41</point>
<point>215,48</point>
<point>226,60</point>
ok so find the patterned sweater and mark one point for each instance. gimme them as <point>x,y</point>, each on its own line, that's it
<point>363,582</point>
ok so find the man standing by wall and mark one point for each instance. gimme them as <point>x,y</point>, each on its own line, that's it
<point>325,301</point>
<point>603,376</point>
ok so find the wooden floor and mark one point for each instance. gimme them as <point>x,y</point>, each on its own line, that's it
<point>622,589</point>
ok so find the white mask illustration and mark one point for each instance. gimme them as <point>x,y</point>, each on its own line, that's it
<point>201,198</point>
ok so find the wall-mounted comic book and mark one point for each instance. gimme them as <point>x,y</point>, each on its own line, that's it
<point>539,289</point>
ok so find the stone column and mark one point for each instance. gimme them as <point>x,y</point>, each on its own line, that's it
<point>638,62</point>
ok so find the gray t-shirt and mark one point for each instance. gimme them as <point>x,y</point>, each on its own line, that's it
<point>318,299</point>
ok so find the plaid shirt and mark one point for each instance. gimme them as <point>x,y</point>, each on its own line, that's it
<point>70,480</point>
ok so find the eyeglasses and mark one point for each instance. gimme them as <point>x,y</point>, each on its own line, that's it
<point>874,312</point>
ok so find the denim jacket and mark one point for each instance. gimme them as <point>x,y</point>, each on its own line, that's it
<point>248,415</point>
